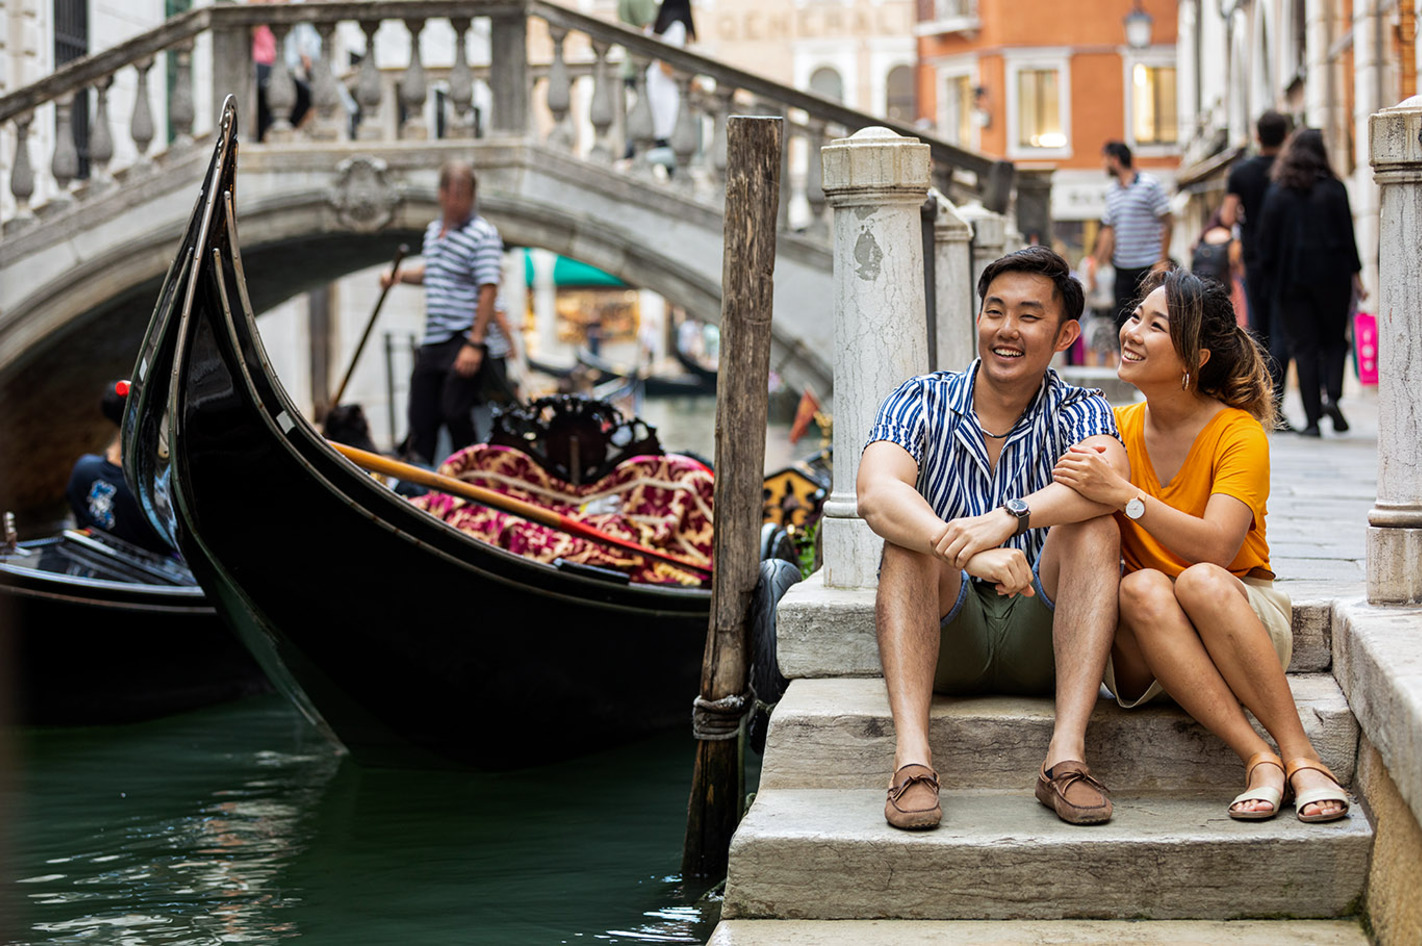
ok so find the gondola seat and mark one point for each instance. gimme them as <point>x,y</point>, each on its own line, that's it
<point>661,501</point>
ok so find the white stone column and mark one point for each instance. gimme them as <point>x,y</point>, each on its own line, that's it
<point>876,182</point>
<point>1395,522</point>
<point>954,288</point>
<point>1369,69</point>
<point>989,235</point>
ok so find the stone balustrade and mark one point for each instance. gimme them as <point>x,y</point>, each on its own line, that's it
<point>527,99</point>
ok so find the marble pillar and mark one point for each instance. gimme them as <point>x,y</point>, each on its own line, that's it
<point>876,182</point>
<point>1395,521</point>
<point>953,286</point>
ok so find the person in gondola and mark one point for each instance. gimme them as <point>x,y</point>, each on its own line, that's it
<point>994,579</point>
<point>97,492</point>
<point>462,355</point>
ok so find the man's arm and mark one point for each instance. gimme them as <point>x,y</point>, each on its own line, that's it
<point>1229,210</point>
<point>471,353</point>
<point>1052,505</point>
<point>889,500</point>
<point>1105,245</point>
<point>414,274</point>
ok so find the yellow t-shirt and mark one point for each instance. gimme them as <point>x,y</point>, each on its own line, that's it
<point>1230,456</point>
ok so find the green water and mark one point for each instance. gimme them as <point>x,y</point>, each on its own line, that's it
<point>241,824</point>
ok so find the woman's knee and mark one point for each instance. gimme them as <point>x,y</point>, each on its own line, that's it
<point>1146,597</point>
<point>1205,584</point>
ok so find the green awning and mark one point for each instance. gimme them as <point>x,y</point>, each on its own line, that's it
<point>571,272</point>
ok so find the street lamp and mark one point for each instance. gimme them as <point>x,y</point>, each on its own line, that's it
<point>1138,24</point>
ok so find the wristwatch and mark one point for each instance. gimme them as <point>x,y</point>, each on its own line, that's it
<point>1136,507</point>
<point>1020,509</point>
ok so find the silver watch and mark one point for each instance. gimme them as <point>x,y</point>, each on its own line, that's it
<point>1023,512</point>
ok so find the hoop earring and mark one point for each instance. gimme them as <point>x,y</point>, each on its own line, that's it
<point>1185,382</point>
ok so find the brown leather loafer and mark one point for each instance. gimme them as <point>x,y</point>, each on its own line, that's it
<point>913,799</point>
<point>1073,794</point>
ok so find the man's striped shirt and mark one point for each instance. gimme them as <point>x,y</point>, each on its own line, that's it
<point>456,265</point>
<point>932,417</point>
<point>1134,214</point>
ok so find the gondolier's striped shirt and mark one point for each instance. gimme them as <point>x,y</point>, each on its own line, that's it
<point>1134,213</point>
<point>456,265</point>
<point>932,418</point>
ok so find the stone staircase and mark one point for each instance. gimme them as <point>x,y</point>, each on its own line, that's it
<point>814,862</point>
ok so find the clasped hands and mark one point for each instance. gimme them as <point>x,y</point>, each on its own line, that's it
<point>974,544</point>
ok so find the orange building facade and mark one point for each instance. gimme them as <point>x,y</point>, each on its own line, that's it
<point>1045,83</point>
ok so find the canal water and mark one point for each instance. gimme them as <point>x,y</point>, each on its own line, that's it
<point>241,823</point>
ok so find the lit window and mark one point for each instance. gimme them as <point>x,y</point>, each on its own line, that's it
<point>958,100</point>
<point>1039,115</point>
<point>1153,105</point>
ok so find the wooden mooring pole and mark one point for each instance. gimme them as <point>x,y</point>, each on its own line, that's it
<point>753,148</point>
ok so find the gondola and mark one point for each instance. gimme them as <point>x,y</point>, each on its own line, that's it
<point>105,632</point>
<point>656,385</point>
<point>405,638</point>
<point>694,367</point>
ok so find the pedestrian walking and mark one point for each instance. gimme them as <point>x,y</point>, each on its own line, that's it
<point>1311,268</point>
<point>674,27</point>
<point>1243,206</point>
<point>1135,231</point>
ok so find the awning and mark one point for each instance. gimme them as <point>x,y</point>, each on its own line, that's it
<point>1203,171</point>
<point>572,273</point>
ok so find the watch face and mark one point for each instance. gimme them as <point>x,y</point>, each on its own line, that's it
<point>1018,507</point>
<point>1135,508</point>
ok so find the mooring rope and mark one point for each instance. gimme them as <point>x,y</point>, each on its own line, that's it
<point>715,720</point>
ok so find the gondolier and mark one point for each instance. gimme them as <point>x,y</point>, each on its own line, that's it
<point>462,355</point>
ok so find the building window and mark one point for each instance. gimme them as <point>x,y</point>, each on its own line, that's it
<point>826,83</point>
<point>1153,105</point>
<point>1039,109</point>
<point>900,103</point>
<point>959,99</point>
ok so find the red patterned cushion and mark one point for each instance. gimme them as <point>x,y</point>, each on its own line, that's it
<point>663,502</point>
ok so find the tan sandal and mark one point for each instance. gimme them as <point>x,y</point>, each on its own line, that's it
<point>1273,796</point>
<point>1315,795</point>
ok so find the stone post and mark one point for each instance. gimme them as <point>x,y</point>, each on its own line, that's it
<point>1395,521</point>
<point>876,182</point>
<point>953,286</point>
<point>508,73</point>
<point>1034,204</point>
<point>989,237</point>
<point>234,74</point>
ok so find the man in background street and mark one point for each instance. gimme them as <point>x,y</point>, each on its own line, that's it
<point>1135,231</point>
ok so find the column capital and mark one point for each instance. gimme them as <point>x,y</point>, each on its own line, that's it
<point>875,165</point>
<point>1396,137</point>
<point>948,224</point>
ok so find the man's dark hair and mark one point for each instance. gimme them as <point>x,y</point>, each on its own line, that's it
<point>1119,151</point>
<point>111,403</point>
<point>1272,128</point>
<point>1039,261</point>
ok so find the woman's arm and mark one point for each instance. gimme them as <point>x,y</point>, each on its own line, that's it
<point>1216,537</point>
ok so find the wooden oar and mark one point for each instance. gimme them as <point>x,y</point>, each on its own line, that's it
<point>376,463</point>
<point>370,324</point>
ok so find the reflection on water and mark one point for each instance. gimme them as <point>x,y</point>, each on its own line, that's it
<point>239,824</point>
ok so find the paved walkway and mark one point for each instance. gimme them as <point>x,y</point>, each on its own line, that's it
<point>1322,491</point>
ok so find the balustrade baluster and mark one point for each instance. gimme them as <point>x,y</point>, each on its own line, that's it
<point>101,139</point>
<point>725,99</point>
<point>814,180</point>
<point>639,120</point>
<point>22,175</point>
<point>180,99</point>
<point>461,81</point>
<point>601,109</point>
<point>368,86</point>
<point>281,90</point>
<point>140,128</point>
<point>325,97</point>
<point>412,88</point>
<point>684,136</point>
<point>560,93</point>
<point>64,166</point>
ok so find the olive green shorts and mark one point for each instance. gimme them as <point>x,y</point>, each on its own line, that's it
<point>992,643</point>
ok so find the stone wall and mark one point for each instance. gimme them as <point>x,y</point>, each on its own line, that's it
<point>1393,903</point>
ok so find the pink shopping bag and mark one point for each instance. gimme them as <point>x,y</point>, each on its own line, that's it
<point>1365,347</point>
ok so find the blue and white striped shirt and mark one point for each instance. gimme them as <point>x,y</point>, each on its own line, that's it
<point>456,265</point>
<point>1134,214</point>
<point>931,416</point>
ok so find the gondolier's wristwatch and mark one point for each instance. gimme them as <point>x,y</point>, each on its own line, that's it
<point>1020,509</point>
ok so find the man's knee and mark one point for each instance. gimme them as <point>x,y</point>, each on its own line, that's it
<point>1097,536</point>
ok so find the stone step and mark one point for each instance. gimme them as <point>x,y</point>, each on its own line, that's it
<point>829,632</point>
<point>838,733</point>
<point>1037,932</point>
<point>824,854</point>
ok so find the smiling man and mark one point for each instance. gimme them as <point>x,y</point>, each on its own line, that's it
<point>994,579</point>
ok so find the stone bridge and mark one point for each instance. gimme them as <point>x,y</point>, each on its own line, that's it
<point>526,89</point>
